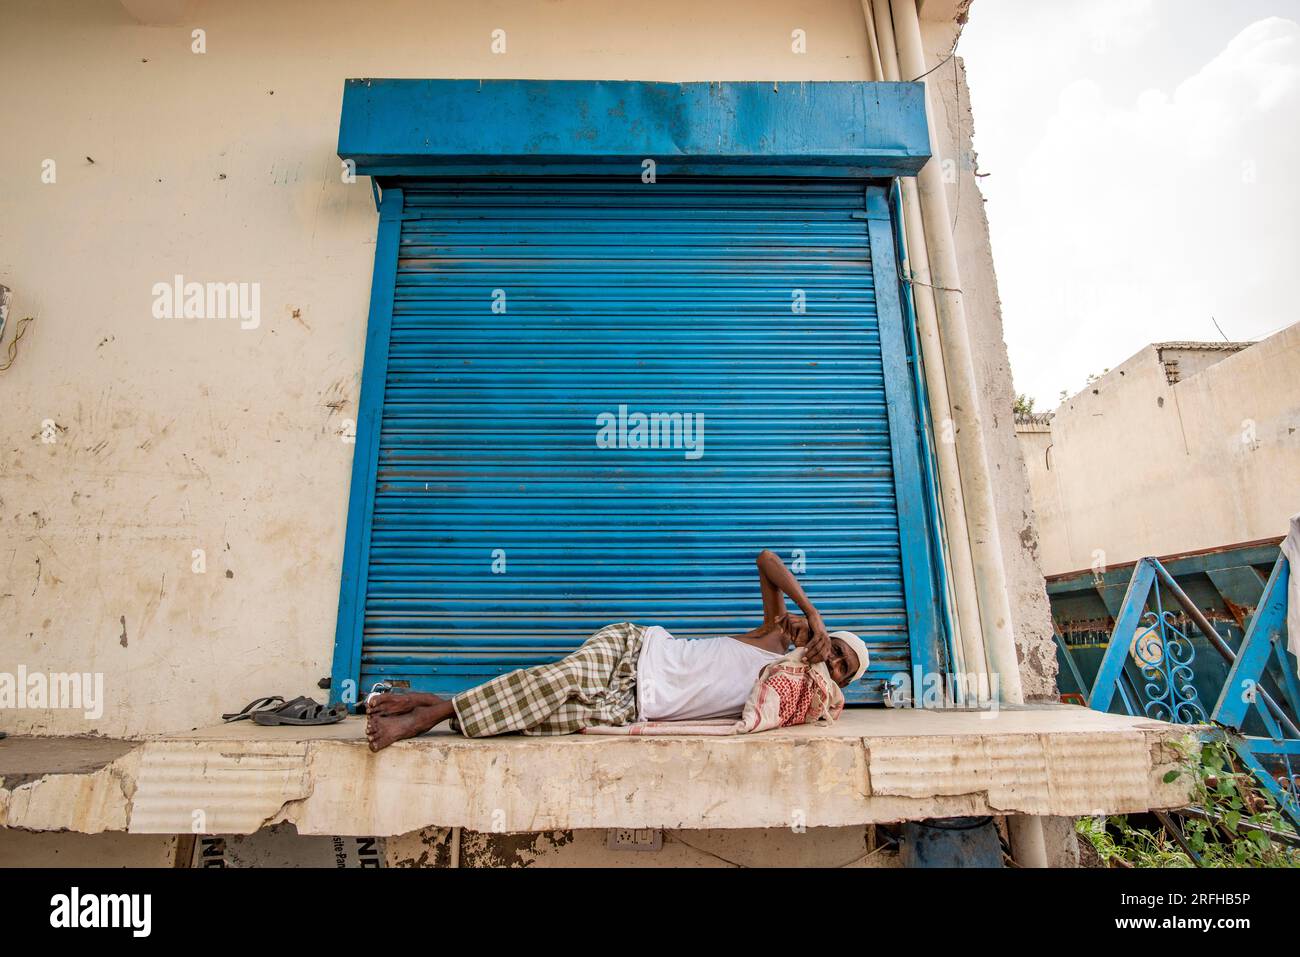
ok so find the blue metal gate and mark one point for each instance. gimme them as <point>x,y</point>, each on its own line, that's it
<point>507,500</point>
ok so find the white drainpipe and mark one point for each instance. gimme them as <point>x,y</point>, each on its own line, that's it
<point>884,26</point>
<point>963,394</point>
<point>968,641</point>
<point>877,52</point>
<point>1026,833</point>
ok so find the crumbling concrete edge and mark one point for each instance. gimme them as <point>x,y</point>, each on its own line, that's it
<point>86,802</point>
<point>338,787</point>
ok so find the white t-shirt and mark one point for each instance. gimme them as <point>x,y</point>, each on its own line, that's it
<point>678,679</point>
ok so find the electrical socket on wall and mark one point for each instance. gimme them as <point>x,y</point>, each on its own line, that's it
<point>635,839</point>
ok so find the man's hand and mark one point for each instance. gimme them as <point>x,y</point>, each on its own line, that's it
<point>777,583</point>
<point>819,642</point>
<point>795,628</point>
<point>807,634</point>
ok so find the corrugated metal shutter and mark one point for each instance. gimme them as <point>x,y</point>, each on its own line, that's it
<point>503,535</point>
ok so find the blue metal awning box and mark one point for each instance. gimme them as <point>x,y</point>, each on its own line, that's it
<point>482,127</point>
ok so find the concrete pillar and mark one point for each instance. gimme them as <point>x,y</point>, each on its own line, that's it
<point>1028,847</point>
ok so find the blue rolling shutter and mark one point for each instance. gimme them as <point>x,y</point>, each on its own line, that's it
<point>499,534</point>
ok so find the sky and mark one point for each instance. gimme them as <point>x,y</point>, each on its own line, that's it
<point>1142,175</point>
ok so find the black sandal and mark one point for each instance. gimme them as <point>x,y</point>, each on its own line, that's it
<point>257,704</point>
<point>301,711</point>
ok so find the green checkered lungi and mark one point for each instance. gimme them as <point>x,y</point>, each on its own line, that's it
<point>596,685</point>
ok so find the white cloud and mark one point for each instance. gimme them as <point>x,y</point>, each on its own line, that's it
<point>1135,222</point>
<point>1109,24</point>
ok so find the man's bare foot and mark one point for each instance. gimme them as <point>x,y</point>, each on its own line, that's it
<point>382,730</point>
<point>392,704</point>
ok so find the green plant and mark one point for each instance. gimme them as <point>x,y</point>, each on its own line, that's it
<point>1120,845</point>
<point>1228,821</point>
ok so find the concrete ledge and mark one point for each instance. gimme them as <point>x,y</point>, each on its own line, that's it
<point>872,766</point>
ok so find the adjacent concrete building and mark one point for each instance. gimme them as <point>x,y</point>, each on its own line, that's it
<point>1186,446</point>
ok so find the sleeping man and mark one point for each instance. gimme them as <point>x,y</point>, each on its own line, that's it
<point>626,672</point>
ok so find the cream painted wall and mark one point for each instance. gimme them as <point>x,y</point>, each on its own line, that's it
<point>172,435</point>
<point>1140,467</point>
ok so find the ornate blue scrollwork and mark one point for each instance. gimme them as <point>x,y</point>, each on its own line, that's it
<point>1164,655</point>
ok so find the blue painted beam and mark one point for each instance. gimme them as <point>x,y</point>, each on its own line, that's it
<point>461,127</point>
<point>1126,623</point>
<point>1233,556</point>
<point>1240,689</point>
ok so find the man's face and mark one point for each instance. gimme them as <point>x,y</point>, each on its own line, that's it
<point>843,662</point>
